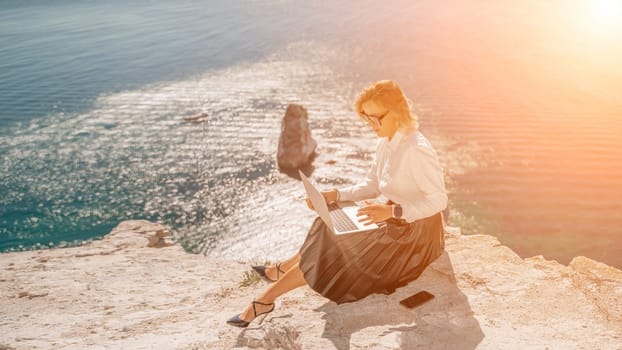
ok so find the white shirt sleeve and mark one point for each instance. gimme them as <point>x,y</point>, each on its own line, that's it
<point>427,173</point>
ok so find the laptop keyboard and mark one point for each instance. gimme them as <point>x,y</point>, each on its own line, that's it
<point>340,220</point>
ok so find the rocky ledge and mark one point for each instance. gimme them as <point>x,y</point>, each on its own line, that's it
<point>118,293</point>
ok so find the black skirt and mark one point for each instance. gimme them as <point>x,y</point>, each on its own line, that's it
<point>346,268</point>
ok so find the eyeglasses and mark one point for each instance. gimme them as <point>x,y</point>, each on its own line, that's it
<point>373,120</point>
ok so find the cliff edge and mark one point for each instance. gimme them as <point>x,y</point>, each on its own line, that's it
<point>118,293</point>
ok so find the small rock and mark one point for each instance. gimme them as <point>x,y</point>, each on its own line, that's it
<point>162,233</point>
<point>296,146</point>
<point>197,117</point>
<point>158,242</point>
<point>22,294</point>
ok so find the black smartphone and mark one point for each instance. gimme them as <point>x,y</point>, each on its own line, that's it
<point>417,299</point>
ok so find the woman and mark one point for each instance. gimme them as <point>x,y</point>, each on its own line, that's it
<point>409,236</point>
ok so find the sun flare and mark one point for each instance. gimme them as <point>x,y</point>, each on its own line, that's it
<point>607,12</point>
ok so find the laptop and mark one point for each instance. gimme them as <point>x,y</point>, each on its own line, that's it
<point>340,217</point>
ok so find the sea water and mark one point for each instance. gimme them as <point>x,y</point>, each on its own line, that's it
<point>522,102</point>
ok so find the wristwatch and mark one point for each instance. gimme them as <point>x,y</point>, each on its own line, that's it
<point>396,211</point>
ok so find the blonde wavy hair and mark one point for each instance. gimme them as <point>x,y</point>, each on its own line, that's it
<point>389,95</point>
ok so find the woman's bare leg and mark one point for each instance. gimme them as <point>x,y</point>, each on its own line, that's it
<point>271,271</point>
<point>292,279</point>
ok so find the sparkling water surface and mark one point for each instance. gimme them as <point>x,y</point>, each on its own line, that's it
<point>525,117</point>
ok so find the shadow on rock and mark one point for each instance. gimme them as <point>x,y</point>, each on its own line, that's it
<point>282,337</point>
<point>446,322</point>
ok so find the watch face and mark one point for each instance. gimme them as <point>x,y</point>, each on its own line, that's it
<point>397,211</point>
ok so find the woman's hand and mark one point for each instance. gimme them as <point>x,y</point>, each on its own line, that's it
<point>375,213</point>
<point>329,197</point>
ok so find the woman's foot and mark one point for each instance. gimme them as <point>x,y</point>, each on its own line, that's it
<point>255,309</point>
<point>270,273</point>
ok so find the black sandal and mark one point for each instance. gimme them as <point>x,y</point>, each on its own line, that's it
<point>238,322</point>
<point>261,271</point>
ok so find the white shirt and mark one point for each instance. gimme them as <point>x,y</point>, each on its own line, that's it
<point>405,170</point>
